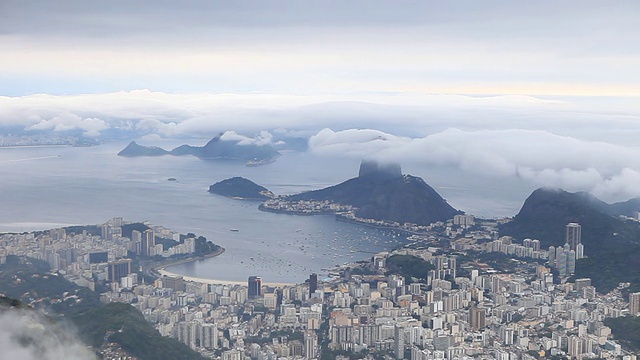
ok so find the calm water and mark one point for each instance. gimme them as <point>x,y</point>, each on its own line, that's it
<point>56,186</point>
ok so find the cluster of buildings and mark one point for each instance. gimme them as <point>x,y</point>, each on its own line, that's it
<point>304,206</point>
<point>85,258</point>
<point>39,140</point>
<point>455,310</point>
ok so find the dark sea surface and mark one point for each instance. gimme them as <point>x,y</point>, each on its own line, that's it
<point>47,187</point>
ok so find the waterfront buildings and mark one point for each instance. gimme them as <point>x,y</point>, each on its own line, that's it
<point>255,286</point>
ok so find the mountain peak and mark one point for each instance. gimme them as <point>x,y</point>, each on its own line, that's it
<point>381,192</point>
<point>374,168</point>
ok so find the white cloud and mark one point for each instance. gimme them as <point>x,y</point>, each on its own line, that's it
<point>403,114</point>
<point>263,138</point>
<point>576,143</point>
<point>66,122</point>
<point>539,157</point>
<point>27,336</point>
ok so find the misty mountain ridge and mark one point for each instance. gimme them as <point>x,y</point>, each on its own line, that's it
<point>546,212</point>
<point>215,149</point>
<point>382,192</point>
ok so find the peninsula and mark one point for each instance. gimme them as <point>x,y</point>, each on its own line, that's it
<point>379,192</point>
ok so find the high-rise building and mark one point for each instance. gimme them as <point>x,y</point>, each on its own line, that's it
<point>535,244</point>
<point>310,345</point>
<point>148,242</point>
<point>561,263</point>
<point>571,262</point>
<point>118,269</point>
<point>398,335</point>
<point>634,303</point>
<point>574,235</point>
<point>579,251</point>
<point>477,318</point>
<point>313,283</point>
<point>255,286</point>
<point>574,347</point>
<point>174,282</point>
<point>582,283</point>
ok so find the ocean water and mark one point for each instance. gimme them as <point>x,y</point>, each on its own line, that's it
<point>46,187</point>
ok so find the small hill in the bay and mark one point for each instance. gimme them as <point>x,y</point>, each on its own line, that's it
<point>215,149</point>
<point>239,187</point>
<point>135,149</point>
<point>546,212</point>
<point>381,192</point>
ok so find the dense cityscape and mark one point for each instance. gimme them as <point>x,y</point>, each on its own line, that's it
<point>426,300</point>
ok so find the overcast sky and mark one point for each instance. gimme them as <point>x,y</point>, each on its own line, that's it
<point>546,91</point>
<point>573,47</point>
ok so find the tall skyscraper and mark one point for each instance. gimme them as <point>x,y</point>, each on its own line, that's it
<point>571,262</point>
<point>561,262</point>
<point>634,303</point>
<point>579,251</point>
<point>398,335</point>
<point>313,283</point>
<point>477,318</point>
<point>574,235</point>
<point>310,345</point>
<point>148,242</point>
<point>255,286</point>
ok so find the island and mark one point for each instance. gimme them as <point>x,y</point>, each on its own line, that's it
<point>216,149</point>
<point>241,188</point>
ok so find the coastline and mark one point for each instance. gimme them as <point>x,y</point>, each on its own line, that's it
<point>161,270</point>
<point>165,272</point>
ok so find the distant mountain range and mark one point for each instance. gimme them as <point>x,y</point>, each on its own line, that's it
<point>215,149</point>
<point>546,212</point>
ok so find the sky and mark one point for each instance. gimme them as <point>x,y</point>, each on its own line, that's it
<point>574,47</point>
<point>544,91</point>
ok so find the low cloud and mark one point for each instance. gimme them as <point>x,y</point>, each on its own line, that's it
<point>68,122</point>
<point>26,335</point>
<point>144,112</point>
<point>539,157</point>
<point>263,138</point>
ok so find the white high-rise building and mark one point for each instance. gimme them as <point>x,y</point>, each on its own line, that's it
<point>634,303</point>
<point>579,251</point>
<point>574,235</point>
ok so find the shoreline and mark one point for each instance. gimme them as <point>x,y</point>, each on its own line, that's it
<point>161,270</point>
<point>165,272</point>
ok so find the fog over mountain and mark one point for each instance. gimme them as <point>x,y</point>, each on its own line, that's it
<point>539,91</point>
<point>27,335</point>
<point>546,141</point>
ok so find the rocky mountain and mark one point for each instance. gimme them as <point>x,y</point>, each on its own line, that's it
<point>134,149</point>
<point>215,149</point>
<point>546,212</point>
<point>382,192</point>
<point>239,187</point>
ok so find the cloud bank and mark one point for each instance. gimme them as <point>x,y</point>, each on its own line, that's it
<point>26,335</point>
<point>536,156</point>
<point>578,143</point>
